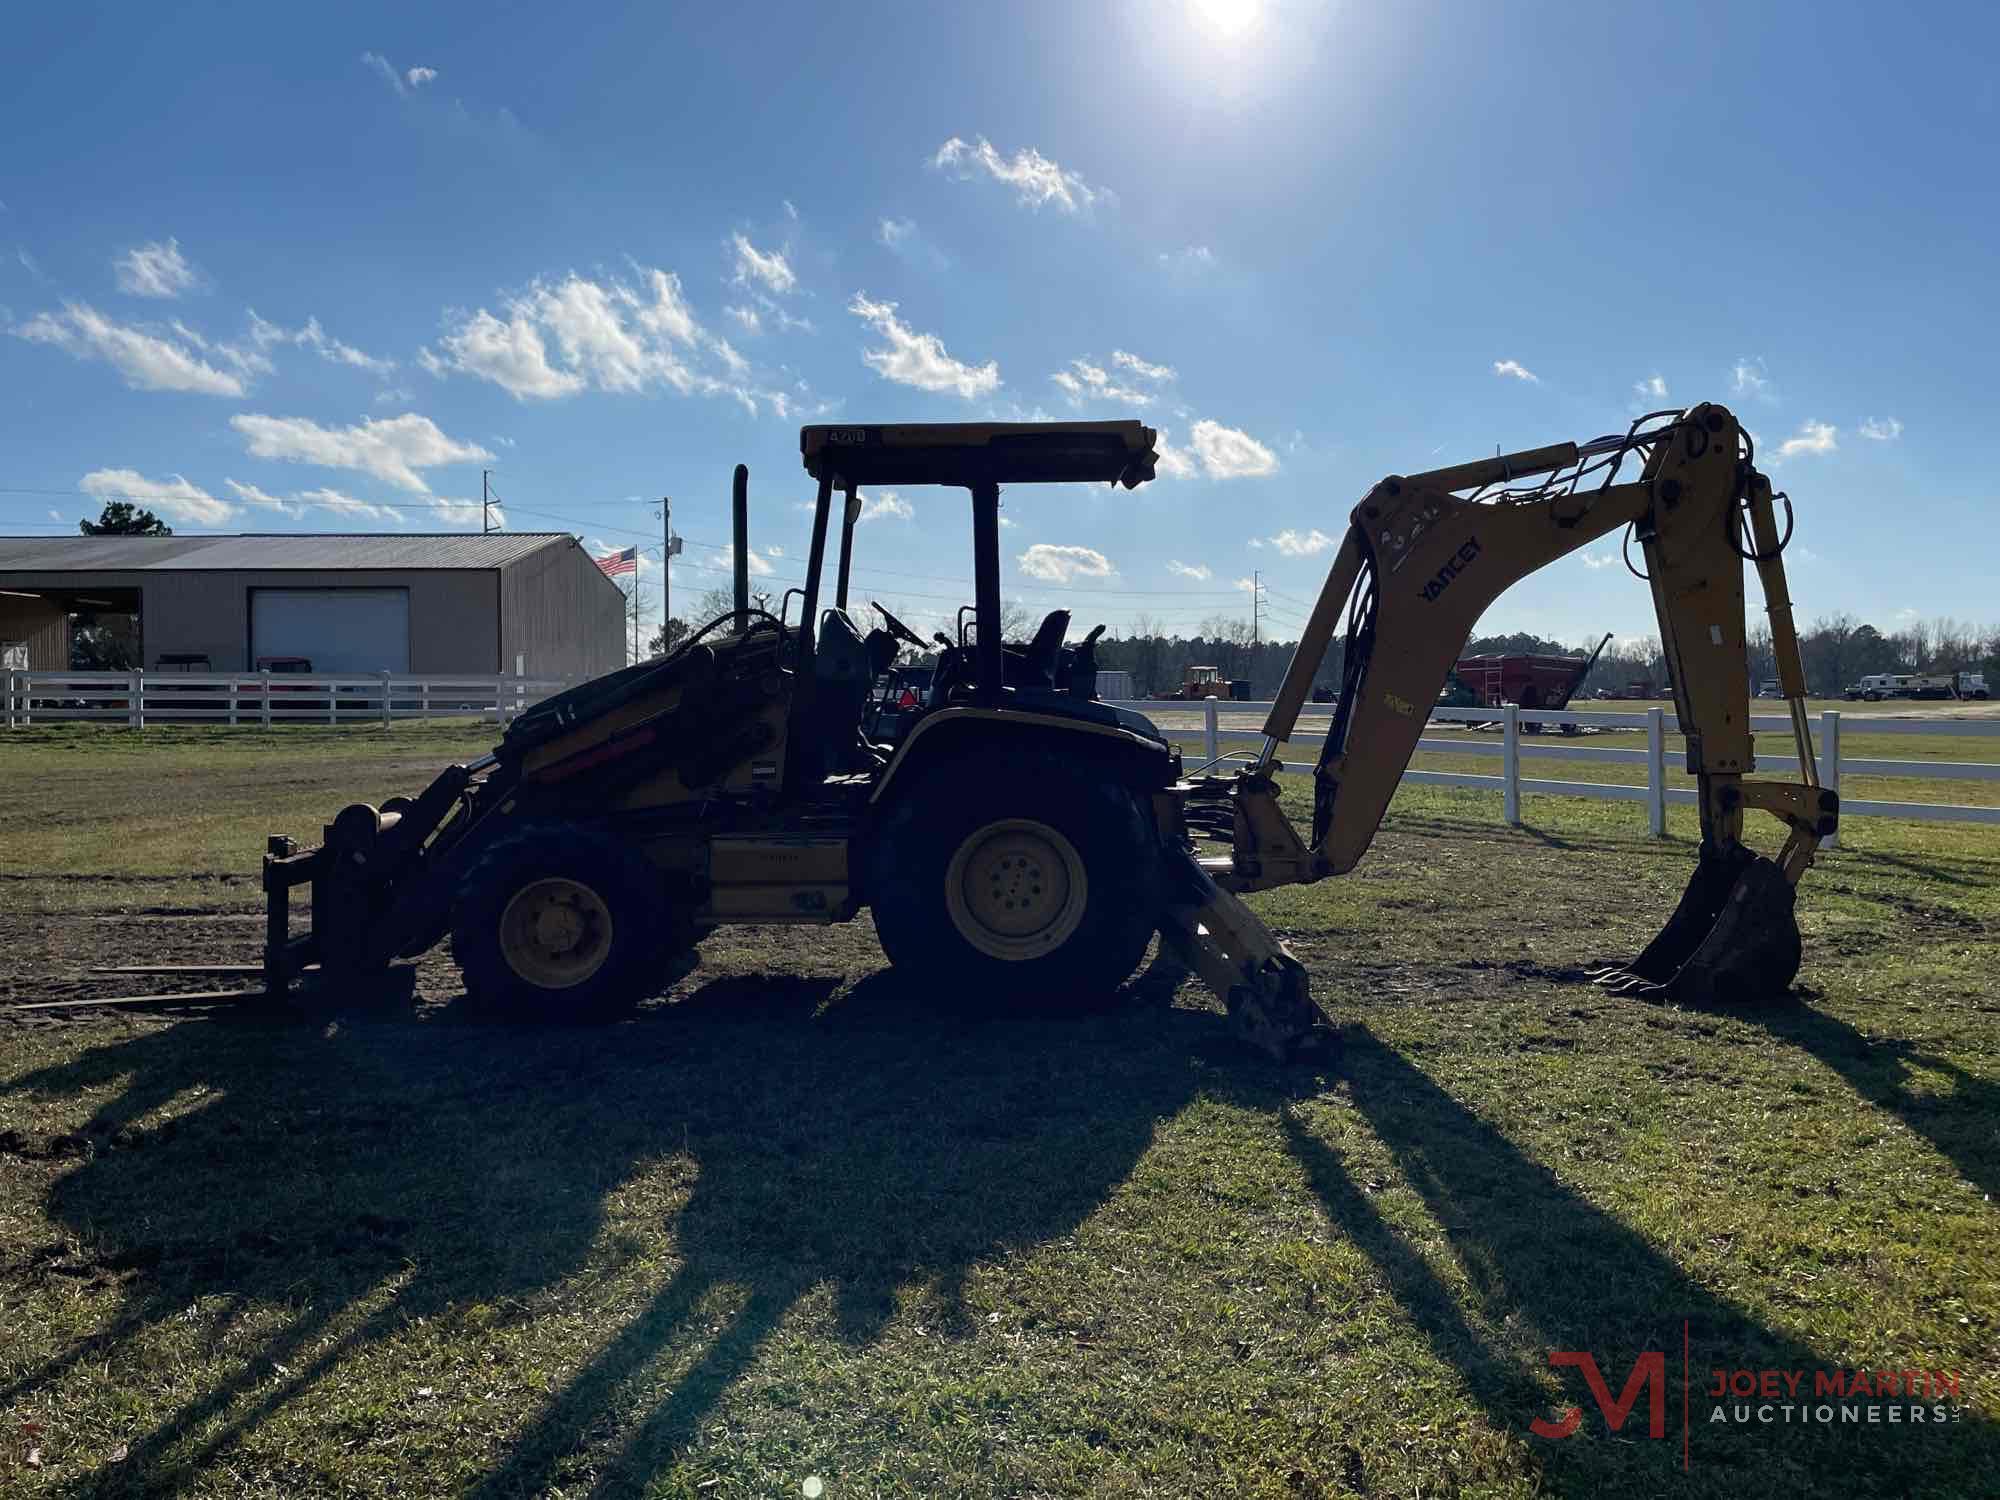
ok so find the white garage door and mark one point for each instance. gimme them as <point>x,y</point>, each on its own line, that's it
<point>337,630</point>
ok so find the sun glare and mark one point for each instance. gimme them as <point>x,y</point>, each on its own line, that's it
<point>1227,18</point>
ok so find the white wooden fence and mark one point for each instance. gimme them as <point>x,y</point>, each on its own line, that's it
<point>1511,745</point>
<point>138,697</point>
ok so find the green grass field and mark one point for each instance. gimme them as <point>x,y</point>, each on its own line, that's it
<point>799,1218</point>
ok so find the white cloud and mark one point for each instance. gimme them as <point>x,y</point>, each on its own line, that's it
<point>727,562</point>
<point>1229,453</point>
<point>902,238</point>
<point>560,338</point>
<point>1084,380</point>
<point>149,361</point>
<point>511,354</point>
<point>1172,462</point>
<point>766,267</point>
<point>1142,368</point>
<point>386,70</point>
<point>446,512</point>
<point>1302,544</point>
<point>249,494</point>
<point>392,449</point>
<point>402,80</point>
<point>1035,179</point>
<point>1200,572</point>
<point>1599,559</point>
<point>1061,564</point>
<point>1881,429</point>
<point>1248,585</point>
<point>919,359</point>
<point>1190,257</point>
<point>316,338</point>
<point>887,503</point>
<point>746,318</point>
<point>155,270</point>
<point>1653,387</point>
<point>54,514</point>
<point>1749,378</point>
<point>1516,369</point>
<point>1812,437</point>
<point>175,498</point>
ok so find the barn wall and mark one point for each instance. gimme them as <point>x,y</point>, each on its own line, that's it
<point>561,614</point>
<point>454,613</point>
<point>44,626</point>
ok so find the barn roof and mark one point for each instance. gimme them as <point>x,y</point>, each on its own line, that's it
<point>317,551</point>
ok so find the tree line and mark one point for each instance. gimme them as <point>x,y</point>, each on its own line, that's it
<point>1836,649</point>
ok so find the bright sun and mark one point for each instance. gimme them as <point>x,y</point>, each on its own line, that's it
<point>1228,18</point>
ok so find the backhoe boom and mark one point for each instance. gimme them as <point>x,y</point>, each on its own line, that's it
<point>1421,562</point>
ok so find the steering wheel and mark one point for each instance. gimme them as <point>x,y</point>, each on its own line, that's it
<point>898,629</point>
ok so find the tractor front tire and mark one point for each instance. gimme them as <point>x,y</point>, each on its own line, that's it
<point>558,923</point>
<point>1025,878</point>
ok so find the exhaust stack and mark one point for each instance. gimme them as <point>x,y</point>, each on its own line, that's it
<point>739,500</point>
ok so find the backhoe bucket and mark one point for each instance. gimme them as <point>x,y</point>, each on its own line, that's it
<point>1733,940</point>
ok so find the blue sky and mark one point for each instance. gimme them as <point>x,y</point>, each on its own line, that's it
<point>314,269</point>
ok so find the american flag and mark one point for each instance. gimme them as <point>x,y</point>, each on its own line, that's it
<point>614,563</point>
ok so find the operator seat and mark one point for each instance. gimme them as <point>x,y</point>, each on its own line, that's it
<point>1044,652</point>
<point>842,676</point>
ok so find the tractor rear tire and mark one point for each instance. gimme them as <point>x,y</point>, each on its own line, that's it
<point>561,924</point>
<point>1024,877</point>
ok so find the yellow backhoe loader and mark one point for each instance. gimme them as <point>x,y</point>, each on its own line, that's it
<point>1021,835</point>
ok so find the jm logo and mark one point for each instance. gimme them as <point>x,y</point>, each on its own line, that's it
<point>1650,1371</point>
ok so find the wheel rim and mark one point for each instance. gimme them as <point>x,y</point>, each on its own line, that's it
<point>555,933</point>
<point>1016,889</point>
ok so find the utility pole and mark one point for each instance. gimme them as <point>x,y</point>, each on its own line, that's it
<point>1256,608</point>
<point>666,566</point>
<point>485,501</point>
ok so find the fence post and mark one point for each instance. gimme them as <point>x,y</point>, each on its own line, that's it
<point>332,703</point>
<point>135,709</point>
<point>385,696</point>
<point>424,698</point>
<point>234,683</point>
<point>264,676</point>
<point>1211,750</point>
<point>1656,772</point>
<point>1829,761</point>
<point>1510,761</point>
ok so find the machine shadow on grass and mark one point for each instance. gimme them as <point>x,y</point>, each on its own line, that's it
<point>393,1171</point>
<point>1963,1122</point>
<point>1533,1250</point>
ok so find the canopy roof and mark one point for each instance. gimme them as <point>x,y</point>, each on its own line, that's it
<point>965,453</point>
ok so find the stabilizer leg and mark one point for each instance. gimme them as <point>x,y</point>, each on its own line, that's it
<point>1265,990</point>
